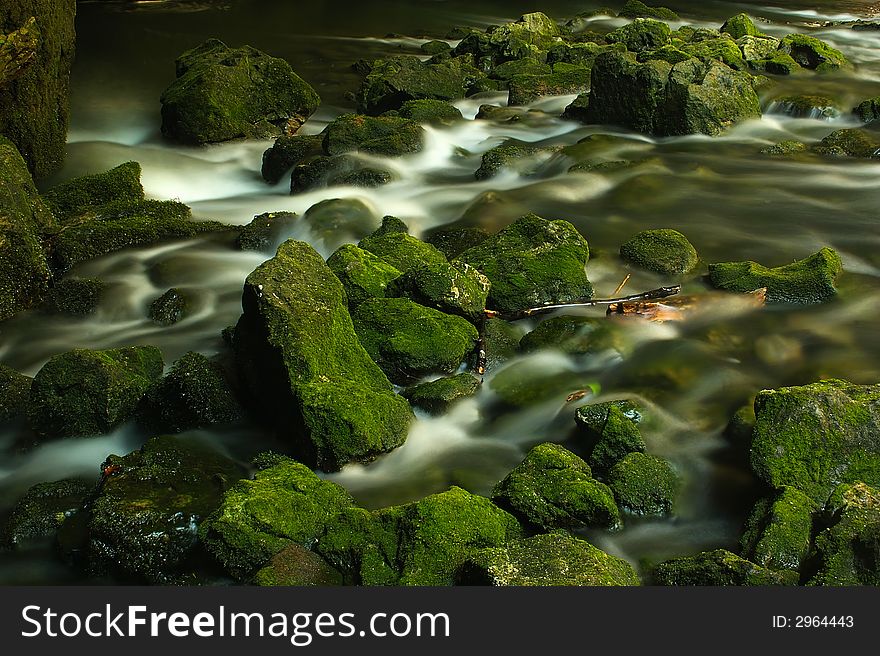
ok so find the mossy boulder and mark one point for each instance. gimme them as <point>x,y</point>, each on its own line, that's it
<point>438,396</point>
<point>777,533</point>
<point>501,340</point>
<point>454,288</point>
<point>641,34</point>
<point>429,111</point>
<point>521,158</point>
<point>533,262</point>
<point>349,170</point>
<point>435,47</point>
<point>779,63</point>
<point>529,37</point>
<point>756,49</point>
<point>408,340</point>
<point>379,135</point>
<point>810,52</point>
<point>806,281</point>
<point>362,274</point>
<point>75,198</point>
<point>565,79</point>
<point>85,393</point>
<point>527,66</point>
<point>224,93</point>
<point>741,425</point>
<point>807,106</point>
<point>76,297</point>
<point>644,484</point>
<point>665,251</point>
<point>818,436</point>
<point>849,142</point>
<point>297,566</point>
<point>297,351</point>
<point>868,110</point>
<point>392,244</point>
<point>194,394</point>
<point>287,151</point>
<point>575,335</point>
<point>553,559</point>
<point>266,231</point>
<point>739,26</point>
<point>452,242</point>
<point>554,488</point>
<point>43,508</point>
<point>610,431</point>
<point>284,504</point>
<point>145,519</point>
<point>14,391</point>
<point>848,552</point>
<point>171,307</point>
<point>18,50</point>
<point>723,49</point>
<point>718,568</point>
<point>637,9</point>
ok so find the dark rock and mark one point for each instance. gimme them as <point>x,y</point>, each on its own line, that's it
<point>522,158</point>
<point>575,335</point>
<point>719,567</point>
<point>297,566</point>
<point>641,34</point>
<point>75,296</point>
<point>14,391</point>
<point>452,242</point>
<point>75,198</point>
<point>849,142</point>
<point>44,507</point>
<point>378,135</point>
<point>288,151</point>
<point>437,396</point>
<point>266,231</point>
<point>171,307</point>
<point>429,111</point>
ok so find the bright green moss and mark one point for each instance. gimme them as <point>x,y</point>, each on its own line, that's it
<point>610,430</point>
<point>778,64</point>
<point>812,53</point>
<point>739,26</point>
<point>644,484</point>
<point>455,288</point>
<point>362,274</point>
<point>399,249</point>
<point>363,546</point>
<point>665,251</point>
<point>77,197</point>
<point>723,49</point>
<point>437,396</point>
<point>778,531</point>
<point>528,66</point>
<point>14,391</point>
<point>717,568</point>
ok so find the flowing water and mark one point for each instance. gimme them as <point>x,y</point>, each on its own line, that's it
<point>731,202</point>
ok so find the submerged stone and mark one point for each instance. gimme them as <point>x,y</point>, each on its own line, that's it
<point>785,148</point>
<point>429,111</point>
<point>644,484</point>
<point>818,107</point>
<point>379,135</point>
<point>266,231</point>
<point>37,516</point>
<point>438,396</point>
<point>610,431</point>
<point>868,110</point>
<point>287,151</point>
<point>337,221</point>
<point>575,335</point>
<point>778,531</point>
<point>521,158</point>
<point>849,142</point>
<point>454,288</point>
<point>665,251</point>
<point>718,568</point>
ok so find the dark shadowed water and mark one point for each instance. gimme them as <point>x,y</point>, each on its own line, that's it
<point>731,202</point>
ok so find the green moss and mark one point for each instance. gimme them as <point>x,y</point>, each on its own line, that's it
<point>719,567</point>
<point>533,262</point>
<point>74,198</point>
<point>18,51</point>
<point>542,560</point>
<point>362,274</point>
<point>868,110</point>
<point>849,142</point>
<point>812,53</point>
<point>284,504</point>
<point>266,231</point>
<point>723,49</point>
<point>565,79</point>
<point>435,47</point>
<point>454,288</point>
<point>429,111</point>
<point>553,488</point>
<point>298,352</point>
<point>817,436</point>
<point>610,431</point>
<point>43,508</point>
<point>741,425</point>
<point>382,135</point>
<point>528,66</point>
<point>409,341</point>
<point>806,281</point>
<point>637,9</point>
<point>401,250</point>
<point>785,148</point>
<point>756,49</point>
<point>297,566</point>
<point>84,393</point>
<point>808,106</point>
<point>779,64</point>
<point>287,151</point>
<point>75,296</point>
<point>668,53</point>
<point>665,251</point>
<point>14,391</point>
<point>529,37</point>
<point>223,93</point>
<point>644,484</point>
<point>641,34</point>
<point>363,546</point>
<point>501,343</point>
<point>739,26</point>
<point>777,533</point>
<point>437,396</point>
<point>452,242</point>
<point>582,54</point>
<point>576,335</point>
<point>523,159</point>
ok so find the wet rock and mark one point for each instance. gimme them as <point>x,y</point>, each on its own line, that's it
<point>398,248</point>
<point>637,9</point>
<point>723,49</point>
<point>739,26</point>
<point>533,262</point>
<point>288,151</point>
<point>810,52</point>
<point>73,199</point>
<point>438,396</point>
<point>34,107</point>
<point>224,93</point>
<point>337,221</point>
<point>529,37</point>
<point>429,111</point>
<point>144,522</point>
<point>849,142</point>
<point>868,110</point>
<point>194,394</point>
<point>297,566</point>
<point>362,274</point>
<point>454,288</point>
<point>777,533</point>
<point>14,391</point>
<point>421,543</point>
<point>848,552</point>
<point>452,242</point>
<point>575,335</point>
<point>266,231</point>
<point>777,64</point>
<point>644,484</point>
<point>378,135</point>
<point>527,66</point>
<point>297,351</point>
<point>76,297</point>
<point>522,158</point>
<point>719,567</point>
<point>757,49</point>
<point>435,47</point>
<point>284,504</point>
<point>565,79</point>
<point>408,340</point>
<point>807,107</point>
<point>610,431</point>
<point>43,508</point>
<point>665,251</point>
<point>530,382</point>
<point>542,560</point>
<point>171,307</point>
<point>319,172</point>
<point>641,34</point>
<point>818,436</point>
<point>83,393</point>
<point>806,281</point>
<point>785,148</point>
<point>24,273</point>
<point>553,488</point>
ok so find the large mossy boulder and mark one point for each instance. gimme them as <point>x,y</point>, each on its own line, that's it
<point>806,281</point>
<point>392,244</point>
<point>718,568</point>
<point>43,508</point>
<point>812,53</point>
<point>362,274</point>
<point>529,37</point>
<point>74,297</point>
<point>565,79</point>
<point>409,341</point>
<point>224,93</point>
<point>641,34</point>
<point>430,111</point>
<point>34,106</point>
<point>85,393</point>
<point>378,135</point>
<point>638,9</point>
<point>24,272</point>
<point>75,198</point>
<point>849,142</point>
<point>533,262</point>
<point>284,504</point>
<point>644,485</point>
<point>311,379</point>
<point>144,521</point>
<point>553,488</point>
<point>818,436</point>
<point>610,431</point>
<point>739,26</point>
<point>665,251</point>
<point>454,288</point>
<point>543,560</point>
<point>14,391</point>
<point>421,543</point>
<point>778,531</point>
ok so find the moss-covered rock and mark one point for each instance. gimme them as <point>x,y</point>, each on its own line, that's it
<point>437,396</point>
<point>398,248</point>
<point>435,47</point>
<point>362,274</point>
<point>408,340</point>
<point>145,519</point>
<point>779,63</point>
<point>641,34</point>
<point>757,49</point>
<point>336,221</point>
<point>723,49</point>
<point>74,296</point>
<point>848,552</point>
<point>849,142</point>
<point>610,431</point>
<point>565,79</point>
<point>84,393</point>
<point>34,107</point>
<point>43,508</point>
<point>637,9</point>
<point>529,37</point>
<point>266,231</point>
<point>194,394</point>
<point>501,340</point>
<point>224,93</point>
<point>868,110</point>
<point>379,135</point>
<point>454,288</point>
<point>810,52</point>
<point>287,151</point>
<point>319,172</point>
<point>171,307</point>
<point>644,484</point>
<point>807,106</point>
<point>533,262</point>
<point>576,335</point>
<point>429,111</point>
<point>18,50</point>
<point>777,533</point>
<point>665,251</point>
<point>452,242</point>
<point>297,351</point>
<point>284,504</point>
<point>77,197</point>
<point>785,148</point>
<point>527,66</point>
<point>741,425</point>
<point>297,566</point>
<point>522,158</point>
<point>806,281</point>
<point>554,488</point>
<point>719,567</point>
<point>818,436</point>
<point>544,560</point>
<point>14,391</point>
<point>739,26</point>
